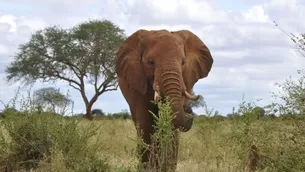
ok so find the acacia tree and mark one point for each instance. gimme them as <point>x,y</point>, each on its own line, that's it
<point>196,104</point>
<point>52,97</point>
<point>82,56</point>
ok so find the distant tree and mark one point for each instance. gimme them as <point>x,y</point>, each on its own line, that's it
<point>196,104</point>
<point>124,114</point>
<point>81,56</point>
<point>255,112</point>
<point>259,111</point>
<point>98,112</point>
<point>232,115</point>
<point>51,97</point>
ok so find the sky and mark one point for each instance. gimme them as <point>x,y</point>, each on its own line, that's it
<point>250,53</point>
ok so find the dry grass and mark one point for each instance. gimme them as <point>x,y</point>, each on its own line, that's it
<point>211,145</point>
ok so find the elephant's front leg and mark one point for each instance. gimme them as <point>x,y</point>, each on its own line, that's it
<point>144,125</point>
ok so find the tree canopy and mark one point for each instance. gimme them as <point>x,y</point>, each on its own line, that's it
<point>98,112</point>
<point>82,56</point>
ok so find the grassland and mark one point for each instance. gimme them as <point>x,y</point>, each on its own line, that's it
<point>213,144</point>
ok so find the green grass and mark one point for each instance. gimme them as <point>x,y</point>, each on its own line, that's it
<point>211,145</point>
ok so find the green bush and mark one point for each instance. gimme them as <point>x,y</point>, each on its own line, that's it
<point>98,112</point>
<point>163,140</point>
<point>48,142</point>
<point>164,137</point>
<point>119,115</point>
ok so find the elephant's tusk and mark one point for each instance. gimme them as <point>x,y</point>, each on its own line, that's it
<point>191,97</point>
<point>156,96</point>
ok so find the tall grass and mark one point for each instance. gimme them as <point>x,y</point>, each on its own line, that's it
<point>32,141</point>
<point>48,142</point>
<point>212,145</point>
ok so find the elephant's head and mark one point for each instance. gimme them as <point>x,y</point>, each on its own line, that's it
<point>170,63</point>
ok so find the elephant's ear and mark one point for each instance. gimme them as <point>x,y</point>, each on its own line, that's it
<point>198,62</point>
<point>128,61</point>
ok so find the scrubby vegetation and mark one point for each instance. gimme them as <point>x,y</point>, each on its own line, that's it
<point>48,142</point>
<point>247,140</point>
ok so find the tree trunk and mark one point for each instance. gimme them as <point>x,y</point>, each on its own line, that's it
<point>88,111</point>
<point>88,103</point>
<point>89,106</point>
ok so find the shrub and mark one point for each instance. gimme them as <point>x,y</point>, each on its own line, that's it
<point>120,115</point>
<point>99,112</point>
<point>163,145</point>
<point>48,142</point>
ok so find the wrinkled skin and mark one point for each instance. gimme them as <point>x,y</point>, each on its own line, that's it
<point>159,63</point>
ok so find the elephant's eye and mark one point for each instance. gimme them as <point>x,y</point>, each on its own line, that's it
<point>151,61</point>
<point>183,61</point>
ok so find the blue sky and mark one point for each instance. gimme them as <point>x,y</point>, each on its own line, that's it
<point>250,53</point>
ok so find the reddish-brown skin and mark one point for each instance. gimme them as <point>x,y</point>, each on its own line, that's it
<point>172,61</point>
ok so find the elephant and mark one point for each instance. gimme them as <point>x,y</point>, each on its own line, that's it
<point>153,64</point>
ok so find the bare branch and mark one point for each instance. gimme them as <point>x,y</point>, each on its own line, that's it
<point>293,38</point>
<point>72,66</point>
<point>66,79</point>
<point>108,88</point>
<point>73,86</point>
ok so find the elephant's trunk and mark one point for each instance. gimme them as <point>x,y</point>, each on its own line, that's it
<point>171,86</point>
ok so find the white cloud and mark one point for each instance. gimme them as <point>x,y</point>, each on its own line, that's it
<point>33,23</point>
<point>9,19</point>
<point>174,12</point>
<point>256,14</point>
